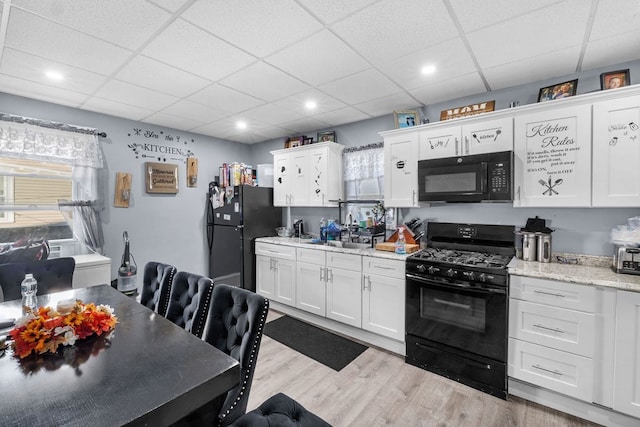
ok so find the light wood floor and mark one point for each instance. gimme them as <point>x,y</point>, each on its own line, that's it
<point>379,389</point>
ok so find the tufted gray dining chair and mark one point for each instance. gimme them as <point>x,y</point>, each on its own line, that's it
<point>189,301</point>
<point>53,275</point>
<point>156,286</point>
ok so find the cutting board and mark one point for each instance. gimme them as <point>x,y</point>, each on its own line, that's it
<point>391,247</point>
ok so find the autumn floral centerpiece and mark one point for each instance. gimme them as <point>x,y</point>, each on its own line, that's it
<point>45,329</point>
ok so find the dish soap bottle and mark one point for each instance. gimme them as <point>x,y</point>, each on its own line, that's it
<point>401,244</point>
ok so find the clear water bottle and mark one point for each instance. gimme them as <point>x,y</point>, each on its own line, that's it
<point>29,289</point>
<point>401,244</point>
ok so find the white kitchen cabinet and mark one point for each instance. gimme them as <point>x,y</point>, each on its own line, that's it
<point>383,297</point>
<point>310,175</point>
<point>401,170</point>
<point>477,136</point>
<point>344,294</point>
<point>276,272</point>
<point>626,392</point>
<point>311,285</point>
<point>553,158</point>
<point>616,153</point>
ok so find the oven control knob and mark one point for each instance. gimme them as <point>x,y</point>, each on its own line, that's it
<point>450,272</point>
<point>431,269</point>
<point>421,268</point>
<point>470,275</point>
<point>483,277</point>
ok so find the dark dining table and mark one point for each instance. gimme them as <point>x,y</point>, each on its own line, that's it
<point>146,372</point>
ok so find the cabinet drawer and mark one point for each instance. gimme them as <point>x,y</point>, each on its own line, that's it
<point>554,327</point>
<point>312,256</point>
<point>551,292</point>
<point>277,251</point>
<point>345,261</point>
<point>553,369</point>
<point>382,266</point>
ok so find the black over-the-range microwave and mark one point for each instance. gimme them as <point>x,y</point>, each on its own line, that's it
<point>477,178</point>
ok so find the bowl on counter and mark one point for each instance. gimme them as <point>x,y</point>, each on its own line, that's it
<point>284,232</point>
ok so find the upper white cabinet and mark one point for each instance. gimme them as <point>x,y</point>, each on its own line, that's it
<point>401,170</point>
<point>474,137</point>
<point>616,153</point>
<point>310,175</point>
<point>553,158</point>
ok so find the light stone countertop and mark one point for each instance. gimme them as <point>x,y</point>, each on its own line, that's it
<point>306,243</point>
<point>594,271</point>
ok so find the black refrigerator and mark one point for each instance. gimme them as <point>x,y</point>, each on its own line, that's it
<point>231,232</point>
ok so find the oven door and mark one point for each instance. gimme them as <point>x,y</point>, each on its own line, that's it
<point>443,180</point>
<point>471,317</point>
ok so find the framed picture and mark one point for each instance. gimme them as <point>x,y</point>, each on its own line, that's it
<point>307,141</point>
<point>558,91</point>
<point>327,136</point>
<point>295,143</point>
<point>405,119</point>
<point>614,79</point>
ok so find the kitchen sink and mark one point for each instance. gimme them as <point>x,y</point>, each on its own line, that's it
<point>348,245</point>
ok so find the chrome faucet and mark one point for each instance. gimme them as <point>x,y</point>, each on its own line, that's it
<point>349,220</point>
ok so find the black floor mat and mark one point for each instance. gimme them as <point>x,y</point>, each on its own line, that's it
<point>329,349</point>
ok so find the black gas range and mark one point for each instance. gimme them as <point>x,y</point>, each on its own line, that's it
<point>456,304</point>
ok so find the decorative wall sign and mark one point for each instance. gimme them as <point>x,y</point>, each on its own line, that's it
<point>192,172</point>
<point>123,190</point>
<point>161,178</point>
<point>467,110</point>
<point>158,152</point>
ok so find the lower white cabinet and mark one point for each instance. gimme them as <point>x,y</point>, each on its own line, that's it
<point>276,272</point>
<point>311,285</point>
<point>626,391</point>
<point>383,296</point>
<point>344,296</point>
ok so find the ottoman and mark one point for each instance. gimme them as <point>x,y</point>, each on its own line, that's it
<point>280,411</point>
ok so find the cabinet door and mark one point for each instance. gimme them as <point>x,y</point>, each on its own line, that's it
<point>311,288</point>
<point>626,391</point>
<point>487,136</point>
<point>553,158</point>
<point>285,281</point>
<point>300,178</point>
<point>265,283</point>
<point>383,303</point>
<point>344,296</point>
<point>439,143</point>
<point>401,170</point>
<point>319,176</point>
<point>281,178</point>
<point>616,153</point>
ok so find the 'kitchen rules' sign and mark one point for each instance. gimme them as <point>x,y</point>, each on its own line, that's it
<point>556,156</point>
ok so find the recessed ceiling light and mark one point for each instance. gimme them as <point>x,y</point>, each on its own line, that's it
<point>310,105</point>
<point>241,125</point>
<point>428,69</point>
<point>54,75</point>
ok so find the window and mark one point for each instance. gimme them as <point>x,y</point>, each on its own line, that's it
<point>29,197</point>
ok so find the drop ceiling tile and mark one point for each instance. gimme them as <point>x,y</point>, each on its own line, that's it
<point>256,26</point>
<point>534,34</point>
<point>361,87</point>
<point>615,17</point>
<point>194,111</point>
<point>126,23</point>
<point>29,67</point>
<point>189,48</point>
<point>35,35</point>
<point>149,73</point>
<point>224,98</point>
<point>600,54</point>
<point>331,11</point>
<point>318,59</point>
<point>171,121</point>
<point>297,102</point>
<point>388,30</point>
<point>474,15</point>
<point>264,82</point>
<point>305,125</point>
<point>137,96</point>
<point>16,86</point>
<point>271,114</point>
<point>342,116</point>
<point>224,128</point>
<point>105,106</point>
<point>382,106</point>
<point>170,5</point>
<point>528,70</point>
<point>450,58</point>
<point>445,90</point>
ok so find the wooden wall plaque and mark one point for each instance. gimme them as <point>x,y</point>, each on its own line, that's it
<point>161,178</point>
<point>123,190</point>
<point>468,110</point>
<point>192,172</point>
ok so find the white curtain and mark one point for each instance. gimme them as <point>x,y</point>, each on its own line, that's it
<point>363,169</point>
<point>33,139</point>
